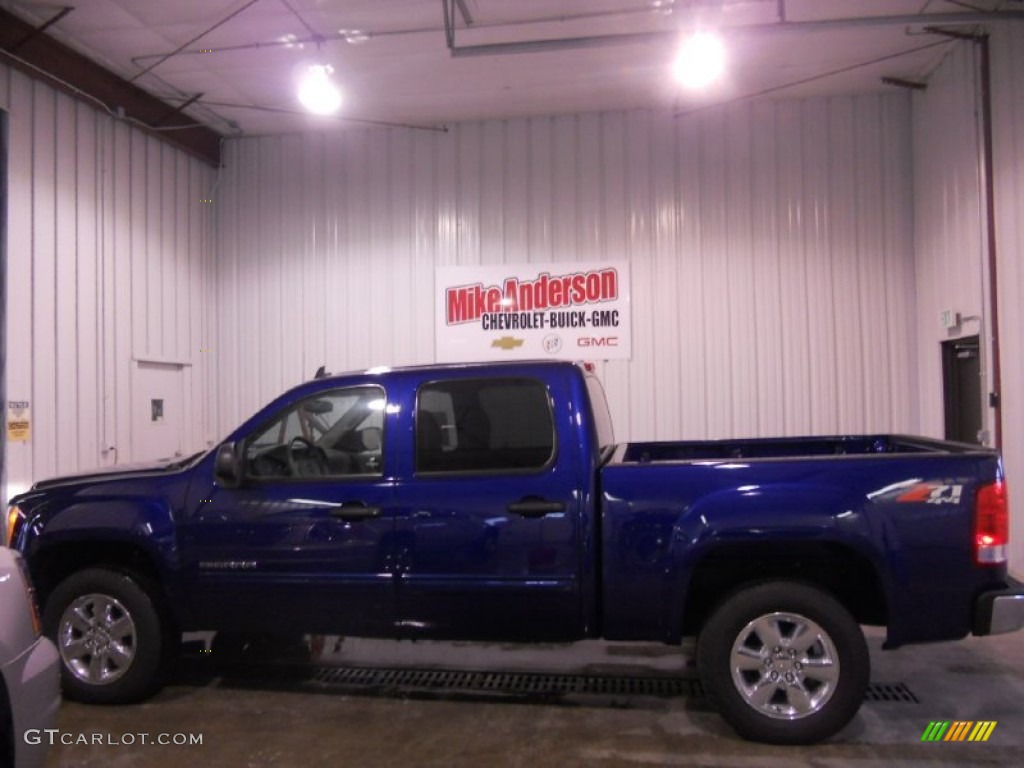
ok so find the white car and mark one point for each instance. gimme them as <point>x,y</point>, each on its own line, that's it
<point>29,669</point>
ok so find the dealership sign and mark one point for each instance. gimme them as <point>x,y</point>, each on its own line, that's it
<point>530,311</point>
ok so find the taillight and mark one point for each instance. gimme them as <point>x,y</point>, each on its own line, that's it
<point>991,524</point>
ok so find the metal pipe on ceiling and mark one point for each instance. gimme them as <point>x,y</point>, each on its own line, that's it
<point>988,166</point>
<point>189,42</point>
<point>389,33</point>
<point>811,79</point>
<point>464,12</point>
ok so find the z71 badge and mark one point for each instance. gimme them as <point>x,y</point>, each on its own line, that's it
<point>932,493</point>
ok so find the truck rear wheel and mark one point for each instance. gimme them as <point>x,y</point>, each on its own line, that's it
<point>784,663</point>
<point>108,630</point>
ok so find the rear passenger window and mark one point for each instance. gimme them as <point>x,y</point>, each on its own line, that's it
<point>483,425</point>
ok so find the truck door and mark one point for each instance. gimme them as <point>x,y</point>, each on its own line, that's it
<point>488,522</point>
<point>303,544</point>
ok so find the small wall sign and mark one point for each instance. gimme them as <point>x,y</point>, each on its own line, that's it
<point>19,421</point>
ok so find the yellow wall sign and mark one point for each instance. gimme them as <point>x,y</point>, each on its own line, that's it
<point>19,421</point>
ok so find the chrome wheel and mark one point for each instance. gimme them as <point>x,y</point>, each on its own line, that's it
<point>784,665</point>
<point>97,639</point>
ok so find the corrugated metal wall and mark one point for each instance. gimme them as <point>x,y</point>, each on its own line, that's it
<point>950,253</point>
<point>770,244</point>
<point>1008,119</point>
<point>950,244</point>
<point>108,251</point>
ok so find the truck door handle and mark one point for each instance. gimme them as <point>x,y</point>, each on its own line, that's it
<point>536,507</point>
<point>355,511</point>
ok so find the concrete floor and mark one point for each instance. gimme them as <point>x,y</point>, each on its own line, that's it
<point>256,715</point>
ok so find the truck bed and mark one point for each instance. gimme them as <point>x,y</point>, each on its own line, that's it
<point>818,497</point>
<point>788,448</point>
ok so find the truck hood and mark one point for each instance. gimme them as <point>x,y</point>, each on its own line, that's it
<point>121,472</point>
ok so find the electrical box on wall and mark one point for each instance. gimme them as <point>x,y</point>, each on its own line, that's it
<point>949,319</point>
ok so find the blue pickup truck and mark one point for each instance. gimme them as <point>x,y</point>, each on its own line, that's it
<point>491,502</point>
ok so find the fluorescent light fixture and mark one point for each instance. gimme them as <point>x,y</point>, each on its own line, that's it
<point>700,61</point>
<point>317,92</point>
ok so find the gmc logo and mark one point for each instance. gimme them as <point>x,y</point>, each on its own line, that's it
<point>597,341</point>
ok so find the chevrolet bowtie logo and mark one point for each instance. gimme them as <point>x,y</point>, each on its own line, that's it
<point>507,343</point>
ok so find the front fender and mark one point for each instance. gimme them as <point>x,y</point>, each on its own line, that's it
<point>146,522</point>
<point>133,533</point>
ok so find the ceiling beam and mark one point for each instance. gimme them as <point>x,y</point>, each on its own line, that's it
<point>35,53</point>
<point>42,27</point>
<point>818,25</point>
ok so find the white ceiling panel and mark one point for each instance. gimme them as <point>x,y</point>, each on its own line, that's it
<point>243,56</point>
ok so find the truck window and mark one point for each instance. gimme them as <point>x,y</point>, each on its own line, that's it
<point>468,425</point>
<point>329,434</point>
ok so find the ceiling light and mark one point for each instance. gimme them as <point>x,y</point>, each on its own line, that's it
<point>700,61</point>
<point>317,92</point>
<point>354,36</point>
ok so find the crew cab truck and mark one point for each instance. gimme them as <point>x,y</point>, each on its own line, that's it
<point>491,502</point>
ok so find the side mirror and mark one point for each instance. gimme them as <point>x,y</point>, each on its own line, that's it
<point>227,468</point>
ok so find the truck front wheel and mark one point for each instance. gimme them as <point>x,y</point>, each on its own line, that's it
<point>108,630</point>
<point>784,663</point>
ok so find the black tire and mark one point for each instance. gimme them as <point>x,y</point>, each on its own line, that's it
<point>113,642</point>
<point>768,685</point>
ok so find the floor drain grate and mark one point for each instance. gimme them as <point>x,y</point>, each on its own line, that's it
<point>533,684</point>
<point>539,684</point>
<point>891,692</point>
